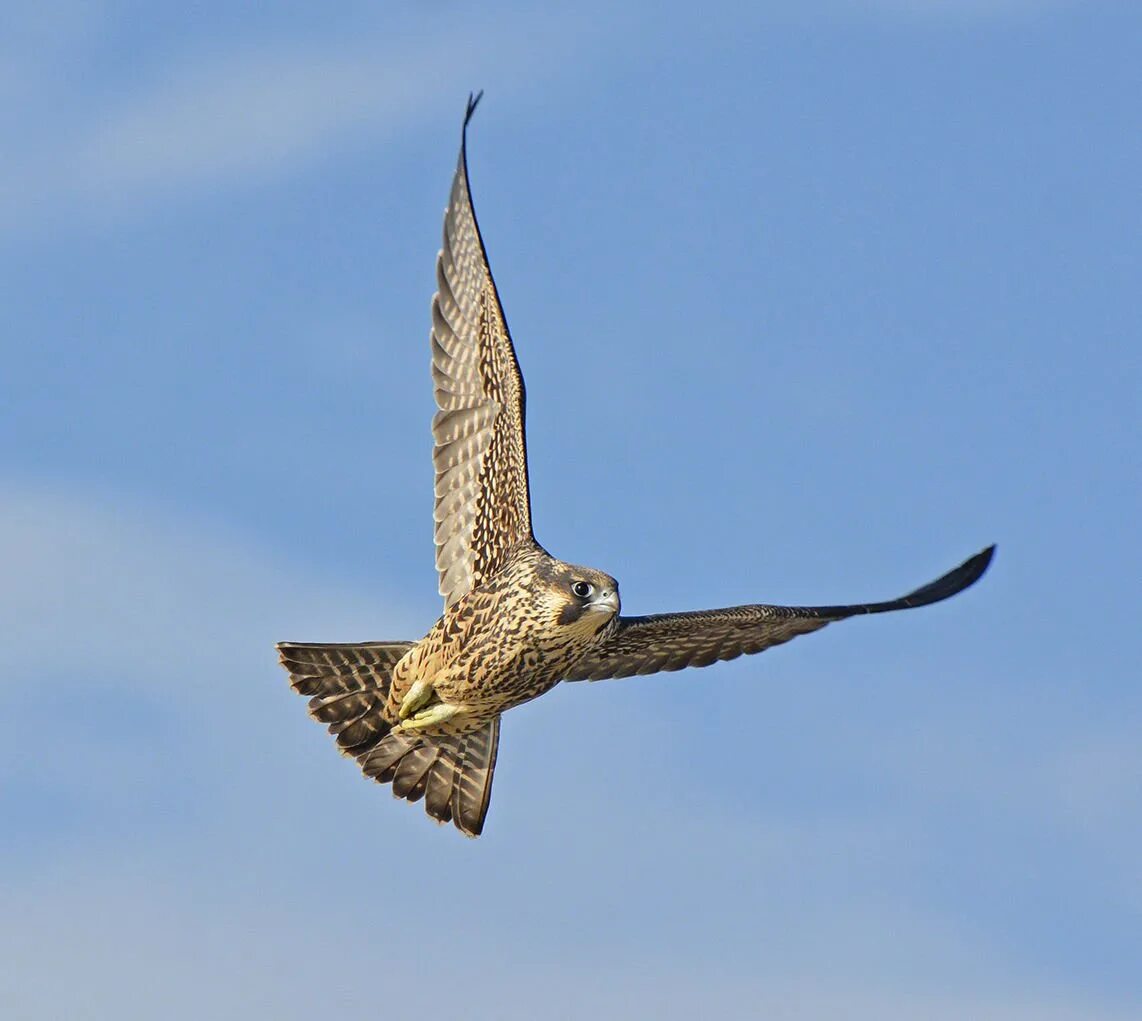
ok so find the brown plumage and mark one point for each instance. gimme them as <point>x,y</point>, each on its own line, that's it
<point>425,716</point>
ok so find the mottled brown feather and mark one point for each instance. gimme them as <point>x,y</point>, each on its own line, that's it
<point>348,685</point>
<point>480,457</point>
<point>673,641</point>
<point>514,623</point>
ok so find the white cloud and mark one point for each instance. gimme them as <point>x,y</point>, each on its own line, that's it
<point>142,646</point>
<point>218,114</point>
<point>247,111</point>
<point>211,856</point>
<point>101,581</point>
<point>252,113</point>
<point>139,947</point>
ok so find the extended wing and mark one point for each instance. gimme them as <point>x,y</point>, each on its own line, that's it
<point>672,641</point>
<point>482,503</point>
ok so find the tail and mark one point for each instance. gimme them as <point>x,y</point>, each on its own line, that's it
<point>347,687</point>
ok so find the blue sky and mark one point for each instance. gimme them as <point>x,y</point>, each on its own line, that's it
<point>813,301</point>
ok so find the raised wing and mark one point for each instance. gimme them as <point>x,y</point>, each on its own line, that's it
<point>672,641</point>
<point>482,503</point>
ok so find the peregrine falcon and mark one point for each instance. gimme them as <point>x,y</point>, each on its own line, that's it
<point>425,716</point>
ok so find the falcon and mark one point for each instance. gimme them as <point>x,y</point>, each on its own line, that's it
<point>425,716</point>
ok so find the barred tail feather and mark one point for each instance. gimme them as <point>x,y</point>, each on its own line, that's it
<point>347,687</point>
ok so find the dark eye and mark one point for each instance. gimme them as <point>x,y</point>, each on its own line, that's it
<point>581,589</point>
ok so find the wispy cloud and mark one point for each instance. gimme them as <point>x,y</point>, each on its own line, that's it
<point>217,114</point>
<point>137,947</point>
<point>143,644</point>
<point>245,112</point>
<point>165,786</point>
<point>101,581</point>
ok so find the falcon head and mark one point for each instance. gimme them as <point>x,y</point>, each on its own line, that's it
<point>581,598</point>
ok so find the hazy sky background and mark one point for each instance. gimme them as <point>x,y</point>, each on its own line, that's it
<point>814,300</point>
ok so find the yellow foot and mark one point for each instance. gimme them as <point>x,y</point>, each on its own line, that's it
<point>419,695</point>
<point>442,712</point>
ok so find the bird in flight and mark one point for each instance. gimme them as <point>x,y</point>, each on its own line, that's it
<point>425,716</point>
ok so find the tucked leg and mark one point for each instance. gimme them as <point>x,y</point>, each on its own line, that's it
<point>419,695</point>
<point>434,715</point>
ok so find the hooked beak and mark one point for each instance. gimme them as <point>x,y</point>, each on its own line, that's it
<point>605,602</point>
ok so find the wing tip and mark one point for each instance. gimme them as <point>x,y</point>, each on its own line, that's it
<point>473,102</point>
<point>955,581</point>
<point>974,568</point>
